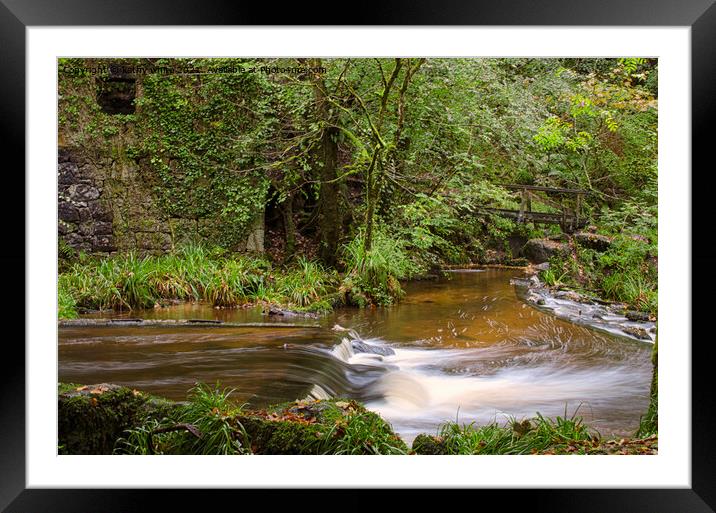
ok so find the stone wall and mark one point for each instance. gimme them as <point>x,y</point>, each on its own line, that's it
<point>107,199</point>
<point>85,218</point>
<point>106,205</point>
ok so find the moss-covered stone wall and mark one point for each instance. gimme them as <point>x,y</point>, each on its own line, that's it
<point>133,172</point>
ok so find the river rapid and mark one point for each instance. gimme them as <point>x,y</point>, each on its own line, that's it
<point>464,347</point>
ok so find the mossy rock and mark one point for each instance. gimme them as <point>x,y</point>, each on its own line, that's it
<point>91,418</point>
<point>426,444</point>
<point>336,426</point>
<point>281,437</point>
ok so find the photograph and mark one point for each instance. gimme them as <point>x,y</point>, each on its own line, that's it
<point>348,255</point>
<point>418,252</point>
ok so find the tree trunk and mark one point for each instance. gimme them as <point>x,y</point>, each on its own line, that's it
<point>371,180</point>
<point>289,228</point>
<point>329,220</point>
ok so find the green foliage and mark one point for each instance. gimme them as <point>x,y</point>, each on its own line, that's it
<point>364,433</point>
<point>640,215</point>
<point>81,120</point>
<point>432,231</point>
<point>372,277</point>
<point>66,305</point>
<point>552,134</point>
<point>192,273</point>
<point>629,271</point>
<point>306,284</point>
<point>200,136</point>
<point>626,272</point>
<point>213,146</point>
<point>517,437</point>
<point>209,423</point>
<point>212,418</point>
<point>64,250</point>
<point>649,423</point>
<point>551,278</point>
<point>632,288</point>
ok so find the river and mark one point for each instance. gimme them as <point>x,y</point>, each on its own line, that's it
<point>464,347</point>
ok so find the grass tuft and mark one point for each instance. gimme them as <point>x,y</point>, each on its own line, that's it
<point>373,277</point>
<point>192,273</point>
<point>516,437</point>
<point>206,424</point>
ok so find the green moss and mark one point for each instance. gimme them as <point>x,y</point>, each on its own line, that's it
<point>336,426</point>
<point>133,423</point>
<point>182,141</point>
<point>426,444</point>
<point>92,418</point>
<point>281,437</point>
<point>649,423</point>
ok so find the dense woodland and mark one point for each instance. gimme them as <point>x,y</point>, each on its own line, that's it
<point>361,174</point>
<point>375,169</point>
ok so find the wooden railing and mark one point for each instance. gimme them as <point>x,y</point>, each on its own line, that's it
<point>569,217</point>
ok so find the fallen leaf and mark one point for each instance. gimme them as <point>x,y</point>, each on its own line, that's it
<point>99,390</point>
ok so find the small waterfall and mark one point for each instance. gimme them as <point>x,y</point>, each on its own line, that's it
<point>344,350</point>
<point>402,390</point>
<point>318,393</point>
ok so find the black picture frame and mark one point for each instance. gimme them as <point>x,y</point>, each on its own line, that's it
<point>699,15</point>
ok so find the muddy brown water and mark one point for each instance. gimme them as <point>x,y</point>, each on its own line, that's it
<point>465,347</point>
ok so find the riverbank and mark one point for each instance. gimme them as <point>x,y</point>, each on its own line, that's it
<point>583,309</point>
<point>222,279</point>
<point>193,274</point>
<point>110,419</point>
<point>461,342</point>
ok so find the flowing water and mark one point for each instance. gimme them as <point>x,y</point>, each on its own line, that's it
<point>463,347</point>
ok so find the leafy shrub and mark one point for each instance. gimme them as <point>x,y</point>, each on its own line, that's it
<point>433,231</point>
<point>373,276</point>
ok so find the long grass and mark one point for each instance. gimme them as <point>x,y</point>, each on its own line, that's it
<point>192,273</point>
<point>373,275</point>
<point>362,432</point>
<point>66,305</point>
<point>210,423</point>
<point>516,437</point>
<point>633,288</point>
<point>206,424</point>
<point>307,284</point>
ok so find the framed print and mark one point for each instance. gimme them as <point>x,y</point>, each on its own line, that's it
<point>376,239</point>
